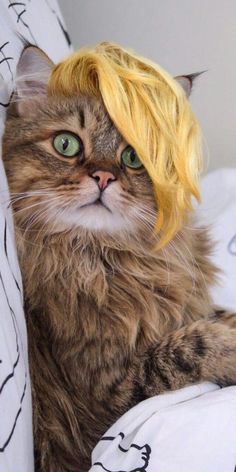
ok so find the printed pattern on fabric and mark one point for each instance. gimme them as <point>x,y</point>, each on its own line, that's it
<point>13,368</point>
<point>140,455</point>
<point>180,431</point>
<point>38,22</point>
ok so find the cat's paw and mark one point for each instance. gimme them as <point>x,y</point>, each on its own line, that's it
<point>225,316</point>
<point>220,354</point>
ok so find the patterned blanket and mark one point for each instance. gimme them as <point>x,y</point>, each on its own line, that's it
<point>41,23</point>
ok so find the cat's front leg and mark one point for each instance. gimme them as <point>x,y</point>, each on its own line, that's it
<point>202,351</point>
<point>224,316</point>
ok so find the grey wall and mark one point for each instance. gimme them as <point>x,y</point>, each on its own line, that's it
<point>183,36</point>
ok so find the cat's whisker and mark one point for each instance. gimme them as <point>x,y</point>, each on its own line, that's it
<point>62,208</point>
<point>147,214</point>
<point>144,223</point>
<point>42,202</point>
<point>36,216</point>
<point>14,196</point>
<point>144,219</point>
<point>32,220</point>
<point>41,215</point>
<point>59,213</point>
<point>23,195</point>
<point>27,229</point>
<point>18,199</point>
<point>145,209</point>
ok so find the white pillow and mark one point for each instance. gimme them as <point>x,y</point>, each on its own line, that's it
<point>189,430</point>
<point>218,209</point>
<point>41,23</point>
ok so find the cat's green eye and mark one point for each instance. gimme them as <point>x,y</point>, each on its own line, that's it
<point>67,144</point>
<point>130,158</point>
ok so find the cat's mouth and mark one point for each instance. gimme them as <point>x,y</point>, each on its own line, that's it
<point>97,203</point>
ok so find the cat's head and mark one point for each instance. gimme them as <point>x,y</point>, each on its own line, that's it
<point>76,152</point>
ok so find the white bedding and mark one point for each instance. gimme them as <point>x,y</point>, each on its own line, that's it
<point>191,430</point>
<point>219,210</point>
<point>39,21</point>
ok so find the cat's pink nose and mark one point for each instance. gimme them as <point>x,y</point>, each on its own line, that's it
<point>103,178</point>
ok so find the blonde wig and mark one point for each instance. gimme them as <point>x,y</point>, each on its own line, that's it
<point>152,113</point>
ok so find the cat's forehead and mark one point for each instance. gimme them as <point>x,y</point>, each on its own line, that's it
<point>90,117</point>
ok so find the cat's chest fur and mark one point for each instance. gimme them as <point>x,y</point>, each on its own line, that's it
<point>91,311</point>
<point>96,298</point>
<point>98,303</point>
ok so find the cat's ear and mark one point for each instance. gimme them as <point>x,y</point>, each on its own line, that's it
<point>187,81</point>
<point>32,74</point>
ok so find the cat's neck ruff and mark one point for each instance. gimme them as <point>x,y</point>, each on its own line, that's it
<point>79,282</point>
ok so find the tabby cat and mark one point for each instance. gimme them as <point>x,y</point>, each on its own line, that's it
<point>111,321</point>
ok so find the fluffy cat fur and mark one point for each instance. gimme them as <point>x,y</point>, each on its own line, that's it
<point>111,320</point>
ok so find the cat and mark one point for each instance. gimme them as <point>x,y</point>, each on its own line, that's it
<point>110,320</point>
